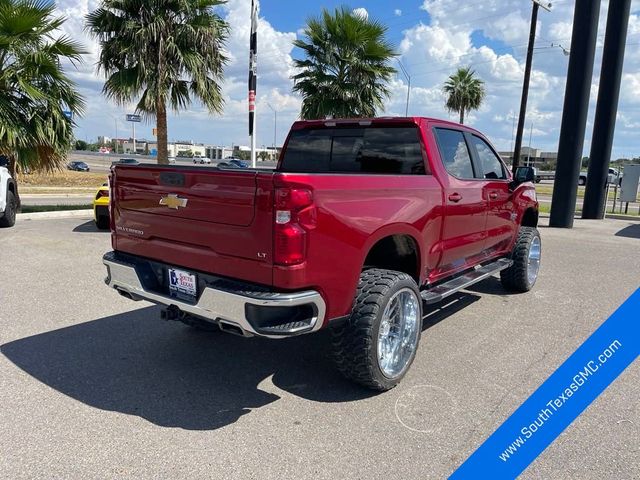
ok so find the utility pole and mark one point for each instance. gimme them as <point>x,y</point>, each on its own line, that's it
<point>527,77</point>
<point>408,77</point>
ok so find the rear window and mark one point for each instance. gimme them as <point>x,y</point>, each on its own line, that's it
<point>382,150</point>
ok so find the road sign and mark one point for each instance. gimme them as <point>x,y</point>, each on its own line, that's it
<point>133,118</point>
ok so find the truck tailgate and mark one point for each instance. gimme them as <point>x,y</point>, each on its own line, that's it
<point>200,218</point>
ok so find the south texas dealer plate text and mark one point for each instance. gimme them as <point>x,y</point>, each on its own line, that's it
<point>182,284</point>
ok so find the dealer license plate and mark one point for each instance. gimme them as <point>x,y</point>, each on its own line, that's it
<point>182,284</point>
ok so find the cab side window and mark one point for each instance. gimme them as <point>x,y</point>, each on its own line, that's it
<point>492,167</point>
<point>454,153</point>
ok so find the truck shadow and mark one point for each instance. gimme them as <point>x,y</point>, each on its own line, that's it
<point>89,227</point>
<point>490,286</point>
<point>440,311</point>
<point>173,376</point>
<point>632,231</point>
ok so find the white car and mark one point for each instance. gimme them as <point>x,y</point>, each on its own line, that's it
<point>200,159</point>
<point>614,176</point>
<point>9,199</point>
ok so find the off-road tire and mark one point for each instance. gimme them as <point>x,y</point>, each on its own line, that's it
<point>102,222</point>
<point>354,342</point>
<point>9,217</point>
<point>515,278</point>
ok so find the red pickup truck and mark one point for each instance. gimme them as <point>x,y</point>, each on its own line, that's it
<point>362,224</point>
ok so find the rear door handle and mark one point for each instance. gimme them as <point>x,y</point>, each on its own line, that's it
<point>493,195</point>
<point>455,197</point>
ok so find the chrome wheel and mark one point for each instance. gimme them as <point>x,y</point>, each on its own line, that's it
<point>533,261</point>
<point>398,333</point>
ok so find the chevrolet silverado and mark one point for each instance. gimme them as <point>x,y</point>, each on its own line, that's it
<point>362,225</point>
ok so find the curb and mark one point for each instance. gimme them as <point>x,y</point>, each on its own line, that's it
<point>57,214</point>
<point>34,196</point>
<point>608,216</point>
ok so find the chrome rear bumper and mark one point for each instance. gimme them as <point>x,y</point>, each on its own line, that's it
<point>266,314</point>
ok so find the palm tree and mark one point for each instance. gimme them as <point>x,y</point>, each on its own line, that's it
<point>464,92</point>
<point>36,128</point>
<point>346,67</point>
<point>158,52</point>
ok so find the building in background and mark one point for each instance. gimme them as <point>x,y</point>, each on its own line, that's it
<point>532,157</point>
<point>242,152</point>
<point>184,148</point>
<point>188,149</point>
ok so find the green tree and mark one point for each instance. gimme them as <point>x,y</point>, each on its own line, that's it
<point>464,92</point>
<point>243,155</point>
<point>35,93</point>
<point>346,66</point>
<point>161,52</point>
<point>81,145</point>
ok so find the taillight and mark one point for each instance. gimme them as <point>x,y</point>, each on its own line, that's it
<point>111,192</point>
<point>294,215</point>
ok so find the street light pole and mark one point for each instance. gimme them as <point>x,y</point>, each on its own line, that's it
<point>529,152</point>
<point>275,123</point>
<point>408,77</point>
<point>527,77</point>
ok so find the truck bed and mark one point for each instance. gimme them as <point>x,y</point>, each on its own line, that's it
<point>223,225</point>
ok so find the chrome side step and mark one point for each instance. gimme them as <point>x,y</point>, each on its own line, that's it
<point>436,294</point>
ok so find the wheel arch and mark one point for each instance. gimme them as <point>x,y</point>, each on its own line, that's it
<point>394,248</point>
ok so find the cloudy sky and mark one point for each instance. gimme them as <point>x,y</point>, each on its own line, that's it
<point>433,38</point>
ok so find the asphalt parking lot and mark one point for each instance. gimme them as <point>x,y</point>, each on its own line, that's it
<point>96,386</point>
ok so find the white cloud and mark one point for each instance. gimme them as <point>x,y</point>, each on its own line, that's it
<point>430,52</point>
<point>361,12</point>
<point>275,66</point>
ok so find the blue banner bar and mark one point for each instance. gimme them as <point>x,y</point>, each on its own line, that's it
<point>560,399</point>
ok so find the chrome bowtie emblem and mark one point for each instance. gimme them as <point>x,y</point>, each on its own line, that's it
<point>173,201</point>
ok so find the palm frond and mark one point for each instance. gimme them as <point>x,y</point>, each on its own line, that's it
<point>345,67</point>
<point>34,89</point>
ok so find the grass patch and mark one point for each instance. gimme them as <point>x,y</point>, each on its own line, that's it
<point>62,178</point>
<point>58,190</point>
<point>546,208</point>
<point>548,191</point>
<point>53,208</point>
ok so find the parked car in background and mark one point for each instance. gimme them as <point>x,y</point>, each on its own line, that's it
<point>201,160</point>
<point>9,198</point>
<point>362,225</point>
<point>78,166</point>
<point>543,175</point>
<point>233,163</point>
<point>101,207</point>
<point>614,177</point>
<point>126,161</point>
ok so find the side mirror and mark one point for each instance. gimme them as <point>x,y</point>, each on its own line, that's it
<point>524,174</point>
